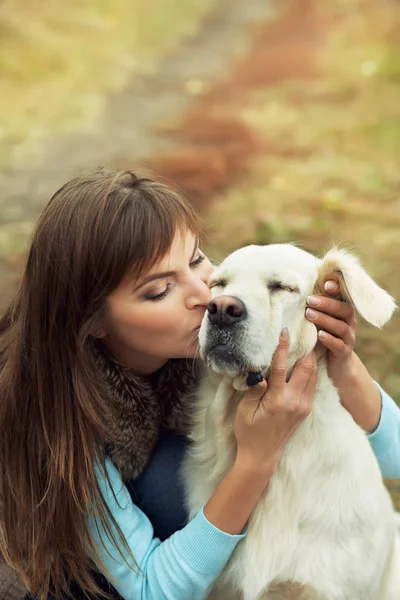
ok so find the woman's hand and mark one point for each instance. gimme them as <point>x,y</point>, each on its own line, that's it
<point>266,417</point>
<point>269,413</point>
<point>337,331</point>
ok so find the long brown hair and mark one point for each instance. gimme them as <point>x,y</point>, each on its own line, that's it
<point>53,408</point>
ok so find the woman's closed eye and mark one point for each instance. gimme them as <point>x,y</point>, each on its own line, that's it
<point>197,262</point>
<point>155,296</point>
<point>160,295</point>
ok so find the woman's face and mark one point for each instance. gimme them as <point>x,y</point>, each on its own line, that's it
<point>158,317</point>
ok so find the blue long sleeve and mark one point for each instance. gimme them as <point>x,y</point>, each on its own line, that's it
<point>385,440</point>
<point>182,567</point>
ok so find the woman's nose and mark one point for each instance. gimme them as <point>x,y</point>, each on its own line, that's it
<point>199,294</point>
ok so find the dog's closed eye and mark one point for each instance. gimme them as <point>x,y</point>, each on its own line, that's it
<point>278,286</point>
<point>218,283</point>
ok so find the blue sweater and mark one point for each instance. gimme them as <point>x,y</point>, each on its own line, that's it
<point>385,440</point>
<point>184,566</point>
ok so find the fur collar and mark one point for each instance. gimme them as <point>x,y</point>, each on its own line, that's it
<point>144,407</point>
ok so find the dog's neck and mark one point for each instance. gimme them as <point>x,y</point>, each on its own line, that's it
<point>225,403</point>
<point>321,354</point>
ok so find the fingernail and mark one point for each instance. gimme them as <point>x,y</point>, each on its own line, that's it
<point>322,334</point>
<point>285,333</point>
<point>311,314</point>
<point>313,301</point>
<point>330,286</point>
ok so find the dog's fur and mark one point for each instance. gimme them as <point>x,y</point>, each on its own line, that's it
<point>325,527</point>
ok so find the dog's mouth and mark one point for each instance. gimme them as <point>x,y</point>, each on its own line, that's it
<point>223,351</point>
<point>222,359</point>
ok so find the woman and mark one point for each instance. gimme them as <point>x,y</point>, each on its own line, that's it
<point>105,323</point>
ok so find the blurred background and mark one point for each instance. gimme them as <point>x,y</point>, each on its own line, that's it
<point>279,120</point>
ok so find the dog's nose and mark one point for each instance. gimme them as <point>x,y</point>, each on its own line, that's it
<point>226,310</point>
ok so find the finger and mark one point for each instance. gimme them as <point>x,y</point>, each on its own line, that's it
<point>254,394</point>
<point>335,308</point>
<point>336,327</point>
<point>305,398</point>
<point>311,386</point>
<point>332,287</point>
<point>277,377</point>
<point>305,368</point>
<point>251,400</point>
<point>334,344</point>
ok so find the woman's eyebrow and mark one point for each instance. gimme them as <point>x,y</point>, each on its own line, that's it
<point>165,273</point>
<point>153,278</point>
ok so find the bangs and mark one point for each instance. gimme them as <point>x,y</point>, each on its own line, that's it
<point>145,228</point>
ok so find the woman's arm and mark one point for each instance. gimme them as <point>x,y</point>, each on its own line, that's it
<point>371,408</point>
<point>375,412</point>
<point>358,393</point>
<point>385,439</point>
<point>182,567</point>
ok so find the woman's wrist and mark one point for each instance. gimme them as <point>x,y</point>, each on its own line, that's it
<point>259,470</point>
<point>360,395</point>
<point>237,495</point>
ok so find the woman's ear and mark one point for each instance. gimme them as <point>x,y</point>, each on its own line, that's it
<point>99,334</point>
<point>356,286</point>
<point>96,325</point>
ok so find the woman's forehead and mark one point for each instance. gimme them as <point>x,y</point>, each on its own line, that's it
<point>183,245</point>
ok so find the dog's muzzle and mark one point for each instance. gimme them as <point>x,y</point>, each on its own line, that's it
<point>226,316</point>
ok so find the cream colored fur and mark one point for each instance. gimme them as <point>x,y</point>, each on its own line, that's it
<point>325,528</point>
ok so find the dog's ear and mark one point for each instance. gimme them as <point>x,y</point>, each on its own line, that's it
<point>372,302</point>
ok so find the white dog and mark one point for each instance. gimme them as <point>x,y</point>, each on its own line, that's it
<point>325,527</point>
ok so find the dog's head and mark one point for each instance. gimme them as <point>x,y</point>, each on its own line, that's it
<point>259,289</point>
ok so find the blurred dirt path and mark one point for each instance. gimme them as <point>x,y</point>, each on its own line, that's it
<point>127,125</point>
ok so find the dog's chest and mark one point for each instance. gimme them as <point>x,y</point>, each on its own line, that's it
<point>317,496</point>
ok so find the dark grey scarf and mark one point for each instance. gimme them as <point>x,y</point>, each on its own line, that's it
<point>144,407</point>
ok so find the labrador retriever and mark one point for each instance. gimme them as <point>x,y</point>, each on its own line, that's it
<point>325,527</point>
